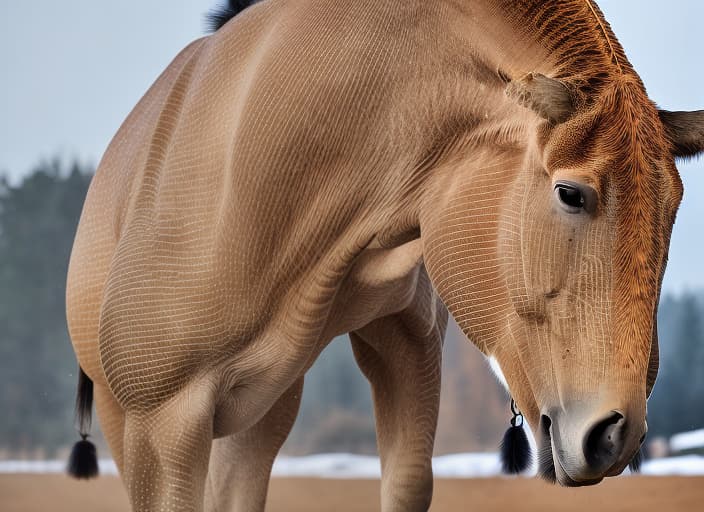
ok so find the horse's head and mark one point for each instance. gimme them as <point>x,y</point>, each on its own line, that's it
<point>550,255</point>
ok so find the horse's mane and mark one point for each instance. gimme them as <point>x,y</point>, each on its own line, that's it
<point>582,45</point>
<point>218,16</point>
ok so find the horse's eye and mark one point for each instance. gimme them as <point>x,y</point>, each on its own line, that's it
<point>570,196</point>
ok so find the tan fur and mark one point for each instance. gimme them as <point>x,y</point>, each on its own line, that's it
<point>317,167</point>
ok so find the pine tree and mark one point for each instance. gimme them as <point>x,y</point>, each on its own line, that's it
<point>38,219</point>
<point>677,402</point>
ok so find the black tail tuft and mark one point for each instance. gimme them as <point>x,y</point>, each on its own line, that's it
<point>83,462</point>
<point>217,17</point>
<point>515,451</point>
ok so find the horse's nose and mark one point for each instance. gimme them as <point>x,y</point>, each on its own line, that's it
<point>580,446</point>
<point>603,443</point>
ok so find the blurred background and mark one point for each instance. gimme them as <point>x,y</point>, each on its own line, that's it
<point>72,70</point>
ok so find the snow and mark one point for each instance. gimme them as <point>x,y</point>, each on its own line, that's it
<point>106,466</point>
<point>687,465</point>
<point>329,465</point>
<point>687,440</point>
<point>463,465</point>
<point>343,465</point>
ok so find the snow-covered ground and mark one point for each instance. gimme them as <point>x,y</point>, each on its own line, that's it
<point>343,465</point>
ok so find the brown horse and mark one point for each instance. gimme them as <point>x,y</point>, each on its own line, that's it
<point>314,168</point>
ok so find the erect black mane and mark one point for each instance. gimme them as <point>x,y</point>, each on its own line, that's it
<point>217,17</point>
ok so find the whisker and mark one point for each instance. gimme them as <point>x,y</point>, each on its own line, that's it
<point>636,462</point>
<point>546,464</point>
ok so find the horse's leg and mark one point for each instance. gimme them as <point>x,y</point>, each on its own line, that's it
<point>240,464</point>
<point>166,451</point>
<point>112,422</point>
<point>401,358</point>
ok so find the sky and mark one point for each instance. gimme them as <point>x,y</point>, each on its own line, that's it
<point>73,69</point>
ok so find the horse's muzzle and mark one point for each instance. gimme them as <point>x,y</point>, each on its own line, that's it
<point>584,447</point>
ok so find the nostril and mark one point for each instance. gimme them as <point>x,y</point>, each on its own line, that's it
<point>545,425</point>
<point>603,442</point>
<point>546,465</point>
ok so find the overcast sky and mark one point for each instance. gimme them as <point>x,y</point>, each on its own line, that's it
<point>73,69</point>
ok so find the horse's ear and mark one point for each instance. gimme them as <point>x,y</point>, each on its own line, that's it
<point>685,130</point>
<point>547,97</point>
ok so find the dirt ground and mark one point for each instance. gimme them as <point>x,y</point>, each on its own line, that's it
<point>28,493</point>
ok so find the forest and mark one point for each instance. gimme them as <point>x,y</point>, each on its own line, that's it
<point>38,370</point>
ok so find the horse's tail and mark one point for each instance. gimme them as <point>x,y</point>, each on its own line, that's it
<point>83,462</point>
<point>217,17</point>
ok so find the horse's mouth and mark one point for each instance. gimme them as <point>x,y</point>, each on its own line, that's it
<point>548,472</point>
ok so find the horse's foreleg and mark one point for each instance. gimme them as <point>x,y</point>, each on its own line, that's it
<point>166,452</point>
<point>404,371</point>
<point>240,464</point>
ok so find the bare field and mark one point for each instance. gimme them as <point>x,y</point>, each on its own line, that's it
<point>28,493</point>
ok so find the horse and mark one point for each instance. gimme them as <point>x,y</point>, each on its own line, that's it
<point>315,168</point>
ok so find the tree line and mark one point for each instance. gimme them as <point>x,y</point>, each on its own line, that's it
<point>38,219</point>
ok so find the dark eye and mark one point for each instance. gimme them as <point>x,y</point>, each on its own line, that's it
<point>570,196</point>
